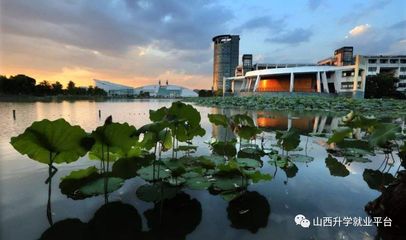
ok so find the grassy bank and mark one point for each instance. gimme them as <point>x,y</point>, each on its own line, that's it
<point>308,103</point>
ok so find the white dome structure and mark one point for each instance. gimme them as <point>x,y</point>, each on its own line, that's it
<point>165,91</point>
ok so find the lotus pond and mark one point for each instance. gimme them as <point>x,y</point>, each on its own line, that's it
<point>159,169</point>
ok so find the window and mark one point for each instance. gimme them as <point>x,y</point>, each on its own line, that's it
<point>394,60</point>
<point>402,85</point>
<point>372,69</point>
<point>371,60</point>
<point>402,60</point>
<point>403,69</point>
<point>383,61</point>
<point>346,85</point>
<point>348,73</point>
<point>402,76</point>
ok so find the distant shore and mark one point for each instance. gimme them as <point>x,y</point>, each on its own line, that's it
<point>31,98</point>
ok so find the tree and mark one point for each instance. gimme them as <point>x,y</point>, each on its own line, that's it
<point>380,86</point>
<point>20,84</point>
<point>57,88</point>
<point>43,88</point>
<point>71,88</point>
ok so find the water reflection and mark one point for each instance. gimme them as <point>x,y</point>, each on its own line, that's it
<point>249,211</point>
<point>169,219</point>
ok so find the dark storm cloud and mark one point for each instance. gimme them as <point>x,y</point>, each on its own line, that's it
<point>114,26</point>
<point>294,36</point>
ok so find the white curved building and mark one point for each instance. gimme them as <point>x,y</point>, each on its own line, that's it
<point>164,91</point>
<point>343,80</point>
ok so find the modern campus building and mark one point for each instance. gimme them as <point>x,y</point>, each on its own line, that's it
<point>225,60</point>
<point>159,90</point>
<point>342,74</point>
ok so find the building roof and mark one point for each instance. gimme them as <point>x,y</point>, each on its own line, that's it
<point>301,69</point>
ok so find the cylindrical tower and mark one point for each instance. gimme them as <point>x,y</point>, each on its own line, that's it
<point>225,60</point>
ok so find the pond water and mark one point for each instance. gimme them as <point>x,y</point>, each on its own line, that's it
<point>310,190</point>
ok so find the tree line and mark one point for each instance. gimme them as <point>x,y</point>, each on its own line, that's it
<point>25,85</point>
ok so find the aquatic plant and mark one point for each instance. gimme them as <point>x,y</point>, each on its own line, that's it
<point>52,142</point>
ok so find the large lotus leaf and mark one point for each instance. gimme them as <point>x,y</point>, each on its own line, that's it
<point>249,163</point>
<point>288,140</point>
<point>116,138</point>
<point>230,195</point>
<point>257,176</point>
<point>336,168</point>
<point>339,135</point>
<point>96,187</point>
<point>300,158</point>
<point>243,120</point>
<point>165,137</point>
<point>224,148</point>
<point>158,115</point>
<point>150,173</point>
<point>230,166</point>
<point>218,119</point>
<point>383,133</point>
<point>65,142</point>
<point>127,168</point>
<point>156,192</point>
<point>185,132</point>
<point>152,127</point>
<point>71,184</point>
<point>186,112</point>
<point>227,183</point>
<point>210,162</point>
<point>199,182</point>
<point>247,132</point>
<point>376,179</point>
<point>250,152</point>
<point>149,140</point>
<point>359,121</point>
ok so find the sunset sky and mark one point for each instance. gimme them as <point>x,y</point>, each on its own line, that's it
<point>139,42</point>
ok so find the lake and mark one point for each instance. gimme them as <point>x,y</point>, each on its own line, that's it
<point>310,190</point>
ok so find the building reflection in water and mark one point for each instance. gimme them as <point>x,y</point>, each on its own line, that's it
<point>306,123</point>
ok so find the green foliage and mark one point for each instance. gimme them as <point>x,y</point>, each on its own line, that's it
<point>224,148</point>
<point>218,119</point>
<point>383,133</point>
<point>115,140</point>
<point>288,140</point>
<point>380,85</point>
<point>52,141</point>
<point>71,184</point>
<point>97,187</point>
<point>339,135</point>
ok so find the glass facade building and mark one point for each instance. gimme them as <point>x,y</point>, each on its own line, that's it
<point>225,60</point>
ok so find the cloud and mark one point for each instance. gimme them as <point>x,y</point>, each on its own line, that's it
<point>294,36</point>
<point>123,40</point>
<point>314,4</point>
<point>368,40</point>
<point>362,11</point>
<point>359,30</point>
<point>264,22</point>
<point>399,25</point>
